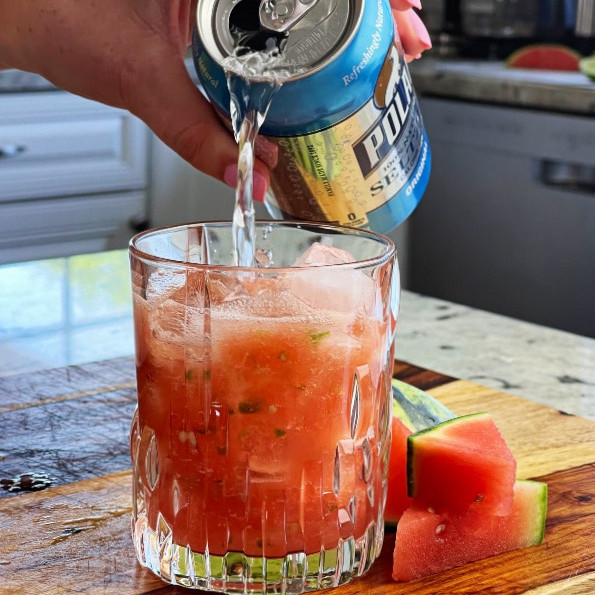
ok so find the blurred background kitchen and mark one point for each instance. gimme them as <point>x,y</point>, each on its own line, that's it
<point>507,223</point>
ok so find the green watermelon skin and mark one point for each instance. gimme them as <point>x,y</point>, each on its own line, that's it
<point>428,543</point>
<point>461,463</point>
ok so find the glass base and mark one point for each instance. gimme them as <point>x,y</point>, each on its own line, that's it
<point>236,572</point>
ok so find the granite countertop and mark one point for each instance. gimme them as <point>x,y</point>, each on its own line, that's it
<point>77,310</point>
<point>493,82</point>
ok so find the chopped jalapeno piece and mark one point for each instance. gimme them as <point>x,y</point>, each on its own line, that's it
<point>318,336</point>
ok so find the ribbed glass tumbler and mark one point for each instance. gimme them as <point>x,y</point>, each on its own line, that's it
<point>261,438</point>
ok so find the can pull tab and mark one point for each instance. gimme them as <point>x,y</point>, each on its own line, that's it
<point>281,15</point>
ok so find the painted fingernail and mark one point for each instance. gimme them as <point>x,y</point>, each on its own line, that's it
<point>259,182</point>
<point>420,30</point>
<point>415,4</point>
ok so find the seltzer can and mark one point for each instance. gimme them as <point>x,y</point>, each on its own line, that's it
<point>350,146</point>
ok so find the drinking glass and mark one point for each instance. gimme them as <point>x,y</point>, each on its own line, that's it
<point>261,439</point>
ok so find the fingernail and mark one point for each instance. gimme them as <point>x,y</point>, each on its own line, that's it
<point>415,4</point>
<point>420,30</point>
<point>259,182</point>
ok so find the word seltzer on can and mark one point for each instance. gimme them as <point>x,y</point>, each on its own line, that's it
<point>350,144</point>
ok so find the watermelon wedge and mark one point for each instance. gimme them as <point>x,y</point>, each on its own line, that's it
<point>545,56</point>
<point>428,542</point>
<point>459,464</point>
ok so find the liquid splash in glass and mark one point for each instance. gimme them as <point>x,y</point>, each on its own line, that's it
<point>253,77</point>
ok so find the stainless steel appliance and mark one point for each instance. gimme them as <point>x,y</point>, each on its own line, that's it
<point>507,223</point>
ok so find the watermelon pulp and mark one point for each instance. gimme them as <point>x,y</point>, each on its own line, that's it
<point>461,463</point>
<point>265,458</point>
<point>428,542</point>
<point>397,499</point>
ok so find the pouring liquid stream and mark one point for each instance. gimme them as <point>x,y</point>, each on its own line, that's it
<point>249,104</point>
<point>255,72</point>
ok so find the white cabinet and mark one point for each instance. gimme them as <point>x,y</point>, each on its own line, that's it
<point>73,175</point>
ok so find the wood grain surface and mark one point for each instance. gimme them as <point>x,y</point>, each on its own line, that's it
<point>75,537</point>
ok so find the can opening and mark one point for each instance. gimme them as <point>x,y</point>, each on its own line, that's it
<point>248,33</point>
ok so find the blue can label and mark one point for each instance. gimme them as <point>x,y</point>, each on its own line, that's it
<point>369,170</point>
<point>347,142</point>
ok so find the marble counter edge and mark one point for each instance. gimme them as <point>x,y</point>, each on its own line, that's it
<point>545,365</point>
<point>569,93</point>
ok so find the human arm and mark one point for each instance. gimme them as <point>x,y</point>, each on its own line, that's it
<point>129,54</point>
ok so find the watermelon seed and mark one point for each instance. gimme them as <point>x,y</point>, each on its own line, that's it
<point>431,510</point>
<point>249,407</point>
<point>440,529</point>
<point>479,498</point>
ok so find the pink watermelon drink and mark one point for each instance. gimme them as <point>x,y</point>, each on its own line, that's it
<point>262,427</point>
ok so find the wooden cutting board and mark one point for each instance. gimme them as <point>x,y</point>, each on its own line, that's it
<point>72,425</point>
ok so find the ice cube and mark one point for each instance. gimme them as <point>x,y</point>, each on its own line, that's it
<point>163,284</point>
<point>338,290</point>
<point>319,254</point>
<point>167,321</point>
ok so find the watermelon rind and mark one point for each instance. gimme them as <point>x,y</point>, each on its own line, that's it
<point>539,513</point>
<point>587,67</point>
<point>417,409</point>
<point>437,428</point>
